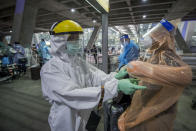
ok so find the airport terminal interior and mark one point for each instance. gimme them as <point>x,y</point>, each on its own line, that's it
<point>133,61</point>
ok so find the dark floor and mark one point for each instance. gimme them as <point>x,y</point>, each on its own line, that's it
<point>22,108</point>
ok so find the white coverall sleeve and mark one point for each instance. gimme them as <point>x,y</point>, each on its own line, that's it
<point>59,88</point>
<point>109,82</point>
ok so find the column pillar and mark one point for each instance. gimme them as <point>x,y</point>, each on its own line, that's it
<point>24,22</point>
<point>105,42</point>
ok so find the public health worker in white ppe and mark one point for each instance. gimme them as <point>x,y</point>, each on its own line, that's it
<point>70,84</point>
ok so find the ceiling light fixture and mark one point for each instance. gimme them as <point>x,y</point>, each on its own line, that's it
<point>94,21</point>
<point>73,10</point>
<point>144,16</point>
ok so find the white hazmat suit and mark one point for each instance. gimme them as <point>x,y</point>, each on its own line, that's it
<point>73,87</point>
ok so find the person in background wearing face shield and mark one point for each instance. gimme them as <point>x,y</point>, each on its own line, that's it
<point>20,52</point>
<point>114,108</point>
<point>45,52</point>
<point>4,53</point>
<point>130,51</point>
<point>20,57</point>
<point>42,51</point>
<point>42,43</point>
<point>70,84</point>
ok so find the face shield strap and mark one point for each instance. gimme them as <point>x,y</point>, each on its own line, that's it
<point>168,26</point>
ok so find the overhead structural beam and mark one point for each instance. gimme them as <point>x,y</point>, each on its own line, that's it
<point>128,30</point>
<point>79,4</point>
<point>141,13</point>
<point>111,2</point>
<point>131,23</point>
<point>6,4</point>
<point>41,29</point>
<point>45,14</point>
<point>119,16</point>
<point>136,20</point>
<point>132,16</point>
<point>100,6</point>
<point>64,11</point>
<point>136,17</point>
<point>93,37</point>
<point>130,9</point>
<point>154,4</point>
<point>117,29</point>
<point>7,13</point>
<point>180,9</point>
<point>119,8</point>
<point>138,11</point>
<point>133,6</point>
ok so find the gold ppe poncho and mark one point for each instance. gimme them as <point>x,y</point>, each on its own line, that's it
<point>165,75</point>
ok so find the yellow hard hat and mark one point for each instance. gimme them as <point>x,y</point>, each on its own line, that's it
<point>66,27</point>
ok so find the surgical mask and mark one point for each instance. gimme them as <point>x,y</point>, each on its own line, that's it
<point>73,47</point>
<point>147,42</point>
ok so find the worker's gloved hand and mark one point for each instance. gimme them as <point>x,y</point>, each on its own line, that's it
<point>127,87</point>
<point>121,74</point>
<point>134,81</point>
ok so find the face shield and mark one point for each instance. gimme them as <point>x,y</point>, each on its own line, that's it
<point>75,44</point>
<point>124,42</point>
<point>157,33</point>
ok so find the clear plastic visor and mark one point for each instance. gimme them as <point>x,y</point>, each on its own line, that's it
<point>156,33</point>
<point>75,43</point>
